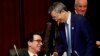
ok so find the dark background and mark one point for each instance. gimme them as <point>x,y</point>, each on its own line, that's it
<point>21,17</point>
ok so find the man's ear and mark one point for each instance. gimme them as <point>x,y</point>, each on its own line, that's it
<point>62,11</point>
<point>29,43</point>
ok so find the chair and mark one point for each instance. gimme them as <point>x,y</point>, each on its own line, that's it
<point>12,52</point>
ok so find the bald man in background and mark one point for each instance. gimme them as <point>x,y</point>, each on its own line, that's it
<point>80,7</point>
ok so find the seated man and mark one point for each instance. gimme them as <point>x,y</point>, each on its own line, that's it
<point>34,42</point>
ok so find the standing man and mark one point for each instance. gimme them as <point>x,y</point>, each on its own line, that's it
<point>80,7</point>
<point>75,32</point>
<point>34,42</point>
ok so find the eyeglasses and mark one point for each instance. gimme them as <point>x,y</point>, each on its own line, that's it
<point>39,41</point>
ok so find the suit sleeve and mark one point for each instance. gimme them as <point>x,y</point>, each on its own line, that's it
<point>87,31</point>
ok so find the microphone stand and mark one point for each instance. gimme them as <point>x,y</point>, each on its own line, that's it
<point>16,50</point>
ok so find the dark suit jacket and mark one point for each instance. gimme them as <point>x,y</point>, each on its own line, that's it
<point>25,53</point>
<point>81,37</point>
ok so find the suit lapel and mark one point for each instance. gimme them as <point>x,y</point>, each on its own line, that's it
<point>63,33</point>
<point>72,28</point>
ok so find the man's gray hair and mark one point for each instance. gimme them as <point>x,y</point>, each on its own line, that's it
<point>57,7</point>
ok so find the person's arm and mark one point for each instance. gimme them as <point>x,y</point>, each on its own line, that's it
<point>87,31</point>
<point>59,49</point>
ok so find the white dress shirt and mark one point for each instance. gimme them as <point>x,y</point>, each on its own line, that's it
<point>31,54</point>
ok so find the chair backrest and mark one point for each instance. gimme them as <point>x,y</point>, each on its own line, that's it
<point>12,52</point>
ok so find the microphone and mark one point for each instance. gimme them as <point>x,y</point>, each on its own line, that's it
<point>16,50</point>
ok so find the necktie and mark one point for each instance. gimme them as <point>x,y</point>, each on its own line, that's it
<point>68,41</point>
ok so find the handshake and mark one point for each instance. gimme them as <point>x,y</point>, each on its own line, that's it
<point>55,54</point>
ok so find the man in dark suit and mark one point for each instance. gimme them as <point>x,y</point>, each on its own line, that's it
<point>34,42</point>
<point>75,32</point>
<point>80,7</point>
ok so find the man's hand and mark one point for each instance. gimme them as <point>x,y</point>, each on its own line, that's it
<point>55,54</point>
<point>98,43</point>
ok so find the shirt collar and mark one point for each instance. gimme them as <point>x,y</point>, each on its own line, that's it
<point>69,17</point>
<point>31,54</point>
<point>76,12</point>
